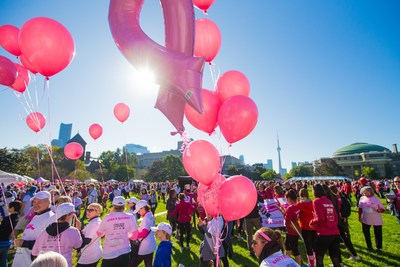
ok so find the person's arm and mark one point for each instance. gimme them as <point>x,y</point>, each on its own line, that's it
<point>359,213</point>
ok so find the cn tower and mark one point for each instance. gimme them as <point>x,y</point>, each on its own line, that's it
<point>279,157</point>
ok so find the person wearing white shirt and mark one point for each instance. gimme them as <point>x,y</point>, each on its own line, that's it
<point>92,194</point>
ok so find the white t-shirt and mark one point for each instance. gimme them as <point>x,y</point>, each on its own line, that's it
<point>117,227</point>
<point>91,253</point>
<point>278,259</point>
<point>37,225</point>
<point>92,196</point>
<point>148,244</point>
<point>77,202</point>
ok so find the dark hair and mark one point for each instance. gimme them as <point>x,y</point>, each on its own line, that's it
<point>304,193</point>
<point>181,196</point>
<point>318,190</point>
<point>171,193</point>
<point>16,205</point>
<point>291,194</point>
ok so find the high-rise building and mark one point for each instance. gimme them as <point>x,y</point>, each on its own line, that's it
<point>63,136</point>
<point>268,165</point>
<point>294,164</point>
<point>137,149</point>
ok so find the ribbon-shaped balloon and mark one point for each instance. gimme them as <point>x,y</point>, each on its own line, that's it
<point>178,72</point>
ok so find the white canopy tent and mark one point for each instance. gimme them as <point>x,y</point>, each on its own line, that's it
<point>112,181</point>
<point>319,178</point>
<point>11,178</point>
<point>91,180</point>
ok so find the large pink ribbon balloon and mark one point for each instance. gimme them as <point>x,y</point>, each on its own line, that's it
<point>121,112</point>
<point>177,71</point>
<point>95,130</point>
<point>22,80</point>
<point>9,39</point>
<point>47,45</point>
<point>207,40</point>
<point>36,121</point>
<point>209,195</point>
<point>73,150</point>
<point>201,161</point>
<point>232,83</point>
<point>207,121</point>
<point>237,197</point>
<point>237,118</point>
<point>8,71</point>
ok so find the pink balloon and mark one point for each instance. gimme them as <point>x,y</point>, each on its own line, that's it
<point>203,4</point>
<point>177,71</point>
<point>47,45</point>
<point>208,39</point>
<point>22,80</point>
<point>208,195</point>
<point>73,150</point>
<point>95,130</point>
<point>237,118</point>
<point>27,64</point>
<point>201,161</point>
<point>207,121</point>
<point>232,83</point>
<point>237,197</point>
<point>8,71</point>
<point>121,112</point>
<point>9,39</point>
<point>36,121</point>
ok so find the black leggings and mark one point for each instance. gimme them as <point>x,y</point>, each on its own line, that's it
<point>184,227</point>
<point>345,235</point>
<point>378,235</point>
<point>148,260</point>
<point>292,244</point>
<point>87,265</point>
<point>310,241</point>
<point>331,243</point>
<point>122,260</point>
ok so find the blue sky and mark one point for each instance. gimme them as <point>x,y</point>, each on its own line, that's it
<point>324,74</point>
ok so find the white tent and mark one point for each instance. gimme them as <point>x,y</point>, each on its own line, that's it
<point>319,178</point>
<point>112,181</point>
<point>91,180</point>
<point>11,178</point>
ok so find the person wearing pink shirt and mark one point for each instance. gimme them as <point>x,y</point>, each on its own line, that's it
<point>370,210</point>
<point>60,236</point>
<point>325,221</point>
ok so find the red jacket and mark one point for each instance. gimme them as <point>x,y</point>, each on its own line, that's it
<point>306,214</point>
<point>184,211</point>
<point>325,217</point>
<point>291,220</point>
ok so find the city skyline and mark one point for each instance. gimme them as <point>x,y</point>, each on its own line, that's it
<point>324,74</point>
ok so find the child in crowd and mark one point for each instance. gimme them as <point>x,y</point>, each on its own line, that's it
<point>164,249</point>
<point>6,227</point>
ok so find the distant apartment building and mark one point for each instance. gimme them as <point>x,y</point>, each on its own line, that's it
<point>63,136</point>
<point>268,165</point>
<point>136,149</point>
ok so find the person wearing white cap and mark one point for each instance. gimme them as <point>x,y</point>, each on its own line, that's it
<point>145,235</point>
<point>117,227</point>
<point>164,250</point>
<point>60,236</point>
<point>43,217</point>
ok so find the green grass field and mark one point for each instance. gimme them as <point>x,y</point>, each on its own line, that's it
<point>390,256</point>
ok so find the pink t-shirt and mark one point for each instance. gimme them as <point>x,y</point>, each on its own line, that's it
<point>117,227</point>
<point>63,243</point>
<point>369,206</point>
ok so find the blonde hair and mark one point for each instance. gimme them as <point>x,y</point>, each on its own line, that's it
<point>272,234</point>
<point>50,259</point>
<point>96,206</point>
<point>63,199</point>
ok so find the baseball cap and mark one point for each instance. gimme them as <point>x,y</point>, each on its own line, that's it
<point>133,200</point>
<point>119,201</point>
<point>32,188</point>
<point>166,227</point>
<point>41,195</point>
<point>64,209</point>
<point>139,205</point>
<point>363,181</point>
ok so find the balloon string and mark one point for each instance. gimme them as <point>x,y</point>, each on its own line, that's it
<point>13,237</point>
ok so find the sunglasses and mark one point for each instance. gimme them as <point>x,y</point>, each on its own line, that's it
<point>90,210</point>
<point>397,182</point>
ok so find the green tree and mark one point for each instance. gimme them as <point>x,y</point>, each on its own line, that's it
<point>269,175</point>
<point>14,161</point>
<point>173,167</point>
<point>119,165</point>
<point>300,171</point>
<point>369,173</point>
<point>155,172</point>
<point>329,168</point>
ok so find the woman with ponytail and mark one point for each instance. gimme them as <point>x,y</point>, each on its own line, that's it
<point>268,246</point>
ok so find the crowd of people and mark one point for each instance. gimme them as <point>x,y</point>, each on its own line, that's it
<point>45,223</point>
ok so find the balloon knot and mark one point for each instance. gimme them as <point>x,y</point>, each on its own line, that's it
<point>47,78</point>
<point>174,133</point>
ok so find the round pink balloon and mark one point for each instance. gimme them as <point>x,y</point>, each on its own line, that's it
<point>9,39</point>
<point>22,80</point>
<point>208,195</point>
<point>203,4</point>
<point>237,118</point>
<point>27,64</point>
<point>201,161</point>
<point>237,197</point>
<point>207,121</point>
<point>8,71</point>
<point>73,151</point>
<point>47,45</point>
<point>36,121</point>
<point>95,130</point>
<point>232,83</point>
<point>207,40</point>
<point>121,112</point>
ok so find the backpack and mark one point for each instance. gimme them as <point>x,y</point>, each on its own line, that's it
<point>345,209</point>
